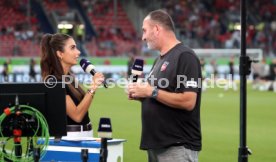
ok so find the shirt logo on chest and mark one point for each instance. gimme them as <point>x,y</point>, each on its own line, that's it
<point>164,66</point>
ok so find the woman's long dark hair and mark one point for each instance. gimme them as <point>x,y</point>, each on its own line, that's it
<point>50,63</point>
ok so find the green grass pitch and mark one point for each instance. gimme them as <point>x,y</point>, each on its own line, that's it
<point>219,120</point>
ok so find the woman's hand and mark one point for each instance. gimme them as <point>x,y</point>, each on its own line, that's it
<point>98,79</point>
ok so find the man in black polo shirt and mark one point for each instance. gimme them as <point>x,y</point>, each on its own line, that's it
<point>171,97</point>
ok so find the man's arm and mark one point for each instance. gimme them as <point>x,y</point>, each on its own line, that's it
<point>184,100</point>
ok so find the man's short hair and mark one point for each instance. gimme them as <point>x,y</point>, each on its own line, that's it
<point>163,18</point>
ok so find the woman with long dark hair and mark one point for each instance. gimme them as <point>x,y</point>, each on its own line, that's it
<point>59,54</point>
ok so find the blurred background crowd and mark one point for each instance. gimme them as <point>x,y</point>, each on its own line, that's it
<point>107,27</point>
<point>112,28</point>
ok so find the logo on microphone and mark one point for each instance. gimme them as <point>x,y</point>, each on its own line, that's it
<point>138,66</point>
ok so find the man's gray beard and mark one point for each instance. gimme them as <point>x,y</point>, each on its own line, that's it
<point>150,46</point>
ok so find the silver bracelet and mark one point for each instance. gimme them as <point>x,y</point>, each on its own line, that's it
<point>91,92</point>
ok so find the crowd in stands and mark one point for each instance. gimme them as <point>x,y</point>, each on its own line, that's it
<point>115,33</point>
<point>215,23</point>
<point>19,32</point>
<point>199,23</point>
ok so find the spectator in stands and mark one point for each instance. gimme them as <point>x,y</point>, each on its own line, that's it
<point>170,114</point>
<point>59,54</point>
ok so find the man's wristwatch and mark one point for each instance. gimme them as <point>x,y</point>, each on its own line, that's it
<point>154,93</point>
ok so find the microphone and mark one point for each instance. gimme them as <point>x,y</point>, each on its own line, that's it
<point>105,129</point>
<point>137,69</point>
<point>89,68</point>
<point>104,132</point>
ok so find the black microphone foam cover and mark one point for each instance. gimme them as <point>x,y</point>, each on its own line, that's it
<point>137,67</point>
<point>105,129</point>
<point>86,65</point>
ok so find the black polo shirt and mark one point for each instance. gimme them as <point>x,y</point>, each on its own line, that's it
<point>162,126</point>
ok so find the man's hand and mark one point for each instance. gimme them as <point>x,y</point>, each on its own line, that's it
<point>139,90</point>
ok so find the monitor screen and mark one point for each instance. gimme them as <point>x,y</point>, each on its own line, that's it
<point>49,101</point>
